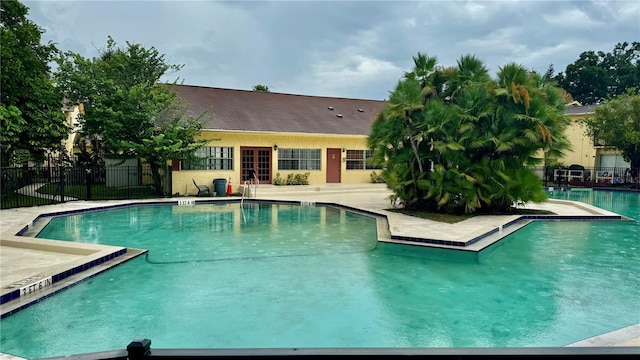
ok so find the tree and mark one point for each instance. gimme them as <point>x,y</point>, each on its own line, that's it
<point>127,110</point>
<point>31,117</point>
<point>617,124</point>
<point>455,140</point>
<point>549,74</point>
<point>262,88</point>
<point>597,76</point>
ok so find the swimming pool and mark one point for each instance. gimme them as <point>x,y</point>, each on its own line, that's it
<point>541,286</point>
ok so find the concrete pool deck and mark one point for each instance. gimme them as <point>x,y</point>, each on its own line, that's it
<point>25,261</point>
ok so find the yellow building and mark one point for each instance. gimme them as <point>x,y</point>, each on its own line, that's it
<point>72,114</point>
<point>275,135</point>
<point>583,150</point>
<point>602,164</point>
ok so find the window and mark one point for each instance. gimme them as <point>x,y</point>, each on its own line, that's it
<point>597,142</point>
<point>613,161</point>
<point>298,159</point>
<point>357,160</point>
<point>212,158</point>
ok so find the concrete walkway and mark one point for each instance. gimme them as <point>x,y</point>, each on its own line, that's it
<point>25,260</point>
<point>32,190</point>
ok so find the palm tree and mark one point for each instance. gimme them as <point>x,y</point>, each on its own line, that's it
<point>480,136</point>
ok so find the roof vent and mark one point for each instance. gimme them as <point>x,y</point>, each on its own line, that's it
<point>330,108</point>
<point>339,115</point>
<point>360,110</point>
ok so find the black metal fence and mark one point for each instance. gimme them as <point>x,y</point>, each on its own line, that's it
<point>43,185</point>
<point>580,176</point>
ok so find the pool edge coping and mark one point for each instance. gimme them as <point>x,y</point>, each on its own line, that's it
<point>84,275</point>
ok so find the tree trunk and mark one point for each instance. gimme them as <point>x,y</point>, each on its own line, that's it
<point>414,146</point>
<point>157,180</point>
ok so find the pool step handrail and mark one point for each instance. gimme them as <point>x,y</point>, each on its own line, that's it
<point>247,187</point>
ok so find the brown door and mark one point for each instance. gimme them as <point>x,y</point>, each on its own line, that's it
<point>334,162</point>
<point>257,159</point>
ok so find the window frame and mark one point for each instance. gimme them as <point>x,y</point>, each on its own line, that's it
<point>358,160</point>
<point>298,159</point>
<point>212,158</point>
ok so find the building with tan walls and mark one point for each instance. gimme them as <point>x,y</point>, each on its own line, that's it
<point>275,135</point>
<point>585,150</point>
<point>72,113</point>
<point>278,134</point>
<point>589,161</point>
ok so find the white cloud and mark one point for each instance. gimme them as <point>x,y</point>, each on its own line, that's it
<point>339,48</point>
<point>572,18</point>
<point>347,72</point>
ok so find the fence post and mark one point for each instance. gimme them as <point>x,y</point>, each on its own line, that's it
<point>169,179</point>
<point>89,181</point>
<point>139,349</point>
<point>61,170</point>
<point>560,176</point>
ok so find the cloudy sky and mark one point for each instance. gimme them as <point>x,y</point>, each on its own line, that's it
<point>354,49</point>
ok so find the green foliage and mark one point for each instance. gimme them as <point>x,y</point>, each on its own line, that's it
<point>12,124</point>
<point>277,180</point>
<point>376,178</point>
<point>597,76</point>
<point>454,140</point>
<point>128,112</point>
<point>617,123</point>
<point>262,88</point>
<point>101,192</point>
<point>31,117</point>
<point>300,179</point>
<point>292,179</point>
<point>15,200</point>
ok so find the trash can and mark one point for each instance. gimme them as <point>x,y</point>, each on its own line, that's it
<point>220,187</point>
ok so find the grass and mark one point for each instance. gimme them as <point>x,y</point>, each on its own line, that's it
<point>14,200</point>
<point>102,192</point>
<point>454,218</point>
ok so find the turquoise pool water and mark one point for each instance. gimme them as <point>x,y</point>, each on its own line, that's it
<point>275,280</point>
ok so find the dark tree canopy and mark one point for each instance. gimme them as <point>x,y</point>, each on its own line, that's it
<point>128,112</point>
<point>617,124</point>
<point>455,140</point>
<point>597,76</point>
<point>31,107</point>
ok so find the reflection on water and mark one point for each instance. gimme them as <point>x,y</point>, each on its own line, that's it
<point>276,280</point>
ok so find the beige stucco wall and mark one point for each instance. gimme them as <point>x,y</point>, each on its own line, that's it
<point>72,114</point>
<point>182,180</point>
<point>583,152</point>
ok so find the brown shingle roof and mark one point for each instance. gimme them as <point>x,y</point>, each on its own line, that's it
<point>580,110</point>
<point>277,112</point>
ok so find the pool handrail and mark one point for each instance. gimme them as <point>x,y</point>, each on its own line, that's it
<point>247,187</point>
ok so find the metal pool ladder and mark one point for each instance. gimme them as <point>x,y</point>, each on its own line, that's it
<point>247,187</point>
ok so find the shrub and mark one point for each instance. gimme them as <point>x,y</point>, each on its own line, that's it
<point>278,180</point>
<point>292,179</point>
<point>376,178</point>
